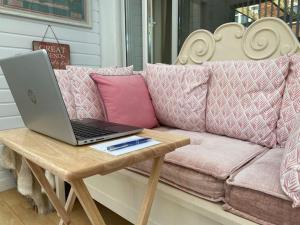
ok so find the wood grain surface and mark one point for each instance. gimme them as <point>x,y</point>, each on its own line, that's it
<point>150,192</point>
<point>73,162</point>
<point>15,209</point>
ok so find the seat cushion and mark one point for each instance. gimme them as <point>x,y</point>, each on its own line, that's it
<point>244,99</point>
<point>178,94</point>
<point>187,180</point>
<point>202,167</point>
<point>255,193</point>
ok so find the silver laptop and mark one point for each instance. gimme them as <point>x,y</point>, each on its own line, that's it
<point>34,87</point>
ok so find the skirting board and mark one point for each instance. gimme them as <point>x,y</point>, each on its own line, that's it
<point>122,192</point>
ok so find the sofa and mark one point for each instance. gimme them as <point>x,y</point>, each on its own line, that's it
<point>236,159</point>
<point>239,121</point>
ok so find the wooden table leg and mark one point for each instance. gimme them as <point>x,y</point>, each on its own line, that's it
<point>69,204</point>
<point>150,192</point>
<point>60,189</point>
<point>87,202</point>
<point>40,176</point>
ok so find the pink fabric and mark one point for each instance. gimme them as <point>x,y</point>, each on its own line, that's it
<point>260,208</point>
<point>64,83</point>
<point>202,167</point>
<point>179,94</point>
<point>126,100</point>
<point>290,165</point>
<point>262,174</point>
<point>290,102</point>
<point>216,155</point>
<point>187,180</point>
<point>244,99</point>
<point>85,92</point>
<point>254,192</point>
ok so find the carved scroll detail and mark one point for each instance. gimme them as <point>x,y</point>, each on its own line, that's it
<point>268,36</point>
<point>261,44</point>
<point>238,30</point>
<point>202,49</point>
<point>200,46</point>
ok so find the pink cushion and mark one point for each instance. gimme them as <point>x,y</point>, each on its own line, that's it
<point>178,94</point>
<point>185,179</point>
<point>85,92</point>
<point>290,165</point>
<point>254,192</point>
<point>202,167</point>
<point>216,155</point>
<point>64,83</point>
<point>290,102</point>
<point>126,100</point>
<point>261,174</point>
<point>244,99</point>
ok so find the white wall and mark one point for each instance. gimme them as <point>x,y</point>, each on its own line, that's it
<point>111,28</point>
<point>17,34</point>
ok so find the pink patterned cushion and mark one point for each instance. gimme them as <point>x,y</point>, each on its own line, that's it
<point>290,165</point>
<point>85,92</point>
<point>64,84</point>
<point>244,99</point>
<point>179,94</point>
<point>126,100</point>
<point>290,102</point>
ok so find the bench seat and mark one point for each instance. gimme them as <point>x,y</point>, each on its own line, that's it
<point>255,193</point>
<point>202,167</point>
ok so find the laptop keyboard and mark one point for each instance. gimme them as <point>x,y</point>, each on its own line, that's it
<point>85,131</point>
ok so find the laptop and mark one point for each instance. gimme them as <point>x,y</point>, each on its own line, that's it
<point>35,89</point>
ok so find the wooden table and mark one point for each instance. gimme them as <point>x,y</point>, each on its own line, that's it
<point>73,164</point>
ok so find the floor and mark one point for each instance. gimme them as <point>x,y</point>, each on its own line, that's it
<point>15,210</point>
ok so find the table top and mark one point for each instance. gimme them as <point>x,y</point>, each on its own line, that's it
<point>73,162</point>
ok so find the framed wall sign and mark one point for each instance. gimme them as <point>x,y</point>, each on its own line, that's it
<point>59,54</point>
<point>72,12</point>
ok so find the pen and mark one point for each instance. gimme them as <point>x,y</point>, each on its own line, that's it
<point>127,144</point>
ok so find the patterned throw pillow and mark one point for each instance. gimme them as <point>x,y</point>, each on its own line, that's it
<point>290,165</point>
<point>290,102</point>
<point>64,83</point>
<point>178,94</point>
<point>85,91</point>
<point>244,99</point>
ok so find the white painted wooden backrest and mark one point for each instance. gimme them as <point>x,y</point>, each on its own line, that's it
<point>268,37</point>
